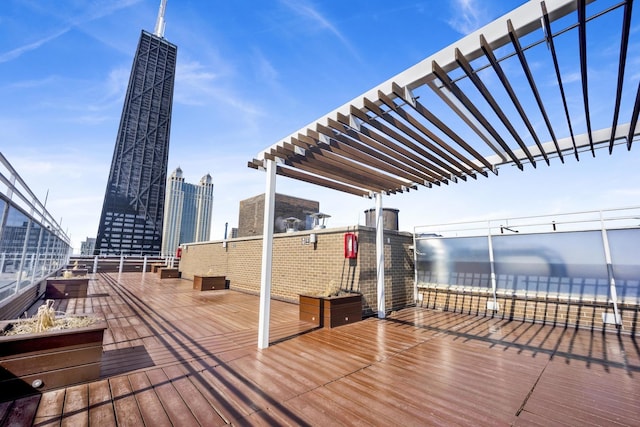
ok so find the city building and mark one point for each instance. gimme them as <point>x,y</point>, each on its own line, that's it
<point>88,246</point>
<point>132,213</point>
<point>187,212</point>
<point>251,214</point>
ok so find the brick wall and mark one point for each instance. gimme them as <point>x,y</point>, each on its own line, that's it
<point>302,267</point>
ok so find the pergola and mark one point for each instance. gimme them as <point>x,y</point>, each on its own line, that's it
<point>480,103</point>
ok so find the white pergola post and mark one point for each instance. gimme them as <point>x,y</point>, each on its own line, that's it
<point>380,256</point>
<point>267,255</point>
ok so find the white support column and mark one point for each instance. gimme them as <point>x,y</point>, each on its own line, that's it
<point>267,255</point>
<point>121,264</point>
<point>144,265</point>
<point>415,268</point>
<point>380,256</point>
<point>95,264</point>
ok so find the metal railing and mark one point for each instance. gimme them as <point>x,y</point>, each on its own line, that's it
<point>583,256</point>
<point>32,243</point>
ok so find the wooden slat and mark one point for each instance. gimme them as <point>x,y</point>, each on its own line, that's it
<point>391,135</point>
<point>202,410</point>
<point>364,149</point>
<point>449,163</point>
<point>477,114</point>
<point>124,403</point>
<point>151,408</point>
<point>172,402</point>
<point>424,112</point>
<point>101,412</point>
<point>50,408</point>
<point>76,404</point>
<point>422,128</point>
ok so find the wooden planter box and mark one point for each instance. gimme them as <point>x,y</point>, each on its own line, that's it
<point>56,358</point>
<point>169,273</point>
<point>209,283</point>
<point>331,311</point>
<point>60,288</point>
<point>77,272</point>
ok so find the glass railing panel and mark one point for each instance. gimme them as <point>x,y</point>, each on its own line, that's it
<point>460,262</point>
<point>624,245</point>
<point>568,264</point>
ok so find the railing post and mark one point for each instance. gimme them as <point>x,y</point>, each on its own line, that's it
<point>612,280</point>
<point>95,264</point>
<point>144,265</point>
<point>121,263</point>
<point>494,283</point>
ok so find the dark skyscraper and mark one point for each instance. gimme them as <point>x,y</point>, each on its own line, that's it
<point>131,220</point>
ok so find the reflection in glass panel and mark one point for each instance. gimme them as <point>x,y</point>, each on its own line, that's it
<point>12,242</point>
<point>552,264</point>
<point>624,246</point>
<point>460,261</point>
<point>32,245</point>
<point>14,232</point>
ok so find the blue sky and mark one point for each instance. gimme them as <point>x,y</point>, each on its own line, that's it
<point>249,73</point>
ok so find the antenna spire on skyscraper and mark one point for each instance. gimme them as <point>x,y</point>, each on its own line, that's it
<point>159,30</point>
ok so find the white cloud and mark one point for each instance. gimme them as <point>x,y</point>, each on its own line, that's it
<point>574,76</point>
<point>17,52</point>
<point>95,11</point>
<point>196,86</point>
<point>117,82</point>
<point>468,16</point>
<point>264,68</point>
<point>305,10</point>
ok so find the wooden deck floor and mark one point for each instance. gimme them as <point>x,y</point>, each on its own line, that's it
<point>175,356</point>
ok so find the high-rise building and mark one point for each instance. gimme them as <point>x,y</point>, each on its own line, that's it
<point>187,212</point>
<point>132,213</point>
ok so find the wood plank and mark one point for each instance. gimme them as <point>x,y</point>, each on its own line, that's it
<point>151,408</point>
<point>101,410</point>
<point>174,405</point>
<point>50,407</point>
<point>76,403</point>
<point>212,389</point>
<point>124,403</point>
<point>203,411</point>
